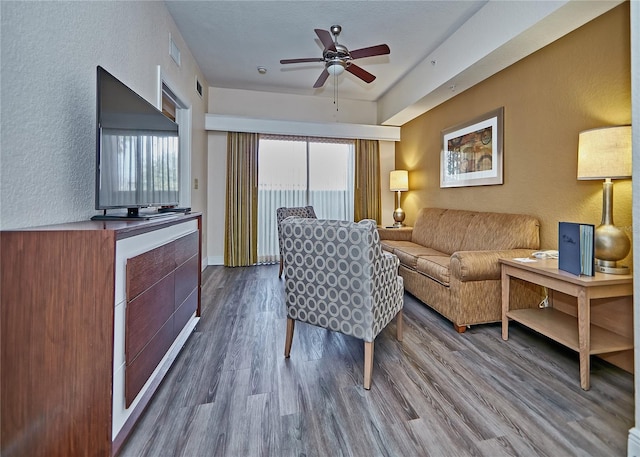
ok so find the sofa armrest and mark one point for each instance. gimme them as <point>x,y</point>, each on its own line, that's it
<point>395,234</point>
<point>482,265</point>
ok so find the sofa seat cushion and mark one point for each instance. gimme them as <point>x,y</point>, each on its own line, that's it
<point>409,255</point>
<point>435,267</point>
<point>391,245</point>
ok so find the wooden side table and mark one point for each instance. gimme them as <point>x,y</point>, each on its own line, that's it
<point>388,227</point>
<point>395,233</point>
<point>578,334</point>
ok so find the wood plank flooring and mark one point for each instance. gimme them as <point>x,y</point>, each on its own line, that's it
<point>231,392</point>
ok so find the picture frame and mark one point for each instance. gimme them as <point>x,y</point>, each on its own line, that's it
<point>472,152</point>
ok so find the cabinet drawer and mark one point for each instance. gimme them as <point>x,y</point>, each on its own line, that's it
<point>184,312</point>
<point>186,247</point>
<point>146,269</point>
<point>139,370</point>
<point>186,279</point>
<point>147,313</point>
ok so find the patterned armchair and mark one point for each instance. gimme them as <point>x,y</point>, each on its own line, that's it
<point>338,278</point>
<point>282,214</point>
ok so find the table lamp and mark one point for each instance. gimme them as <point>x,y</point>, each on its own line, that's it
<point>398,182</point>
<point>605,153</point>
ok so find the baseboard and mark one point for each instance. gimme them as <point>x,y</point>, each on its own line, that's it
<point>215,260</point>
<point>633,444</point>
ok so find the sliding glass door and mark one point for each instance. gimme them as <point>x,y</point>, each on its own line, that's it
<point>294,171</point>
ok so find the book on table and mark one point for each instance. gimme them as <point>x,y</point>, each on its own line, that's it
<point>576,246</point>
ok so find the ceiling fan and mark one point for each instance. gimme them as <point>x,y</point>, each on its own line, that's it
<point>337,58</point>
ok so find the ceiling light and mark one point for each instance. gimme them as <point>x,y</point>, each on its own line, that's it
<point>262,70</point>
<point>335,67</point>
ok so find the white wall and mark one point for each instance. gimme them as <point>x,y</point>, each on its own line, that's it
<point>217,176</point>
<point>50,51</point>
<point>268,105</point>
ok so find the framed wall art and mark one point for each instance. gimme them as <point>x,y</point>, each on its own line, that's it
<point>472,152</point>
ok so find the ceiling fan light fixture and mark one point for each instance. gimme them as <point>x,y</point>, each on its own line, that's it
<point>336,67</point>
<point>337,58</point>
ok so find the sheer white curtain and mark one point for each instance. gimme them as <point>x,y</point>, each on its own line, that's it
<point>138,169</point>
<point>331,177</point>
<point>301,171</point>
<point>118,164</point>
<point>159,157</point>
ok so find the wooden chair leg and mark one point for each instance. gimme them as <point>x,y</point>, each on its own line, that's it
<point>289,339</point>
<point>281,267</point>
<point>399,324</point>
<point>368,364</point>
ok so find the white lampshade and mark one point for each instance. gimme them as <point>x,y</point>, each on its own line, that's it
<point>399,180</point>
<point>605,153</point>
<point>335,68</point>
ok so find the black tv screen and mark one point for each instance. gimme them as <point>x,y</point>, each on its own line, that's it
<point>137,154</point>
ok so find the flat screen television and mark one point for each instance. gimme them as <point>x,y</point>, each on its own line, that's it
<point>137,154</point>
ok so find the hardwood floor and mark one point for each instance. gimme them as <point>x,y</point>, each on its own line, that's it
<point>231,392</point>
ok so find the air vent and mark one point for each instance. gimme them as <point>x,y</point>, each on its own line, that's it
<point>198,87</point>
<point>174,51</point>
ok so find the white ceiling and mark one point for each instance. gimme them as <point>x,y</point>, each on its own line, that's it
<point>438,48</point>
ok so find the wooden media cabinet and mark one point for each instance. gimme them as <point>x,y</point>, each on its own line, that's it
<point>93,315</point>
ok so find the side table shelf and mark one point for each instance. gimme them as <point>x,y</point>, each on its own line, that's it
<point>562,327</point>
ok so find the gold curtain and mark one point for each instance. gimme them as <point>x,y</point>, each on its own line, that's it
<point>241,214</point>
<point>367,203</point>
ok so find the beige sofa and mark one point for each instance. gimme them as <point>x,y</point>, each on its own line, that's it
<point>449,260</point>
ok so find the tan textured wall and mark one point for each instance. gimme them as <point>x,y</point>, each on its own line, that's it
<point>579,82</point>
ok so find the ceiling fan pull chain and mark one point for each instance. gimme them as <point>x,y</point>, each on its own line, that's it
<point>336,99</point>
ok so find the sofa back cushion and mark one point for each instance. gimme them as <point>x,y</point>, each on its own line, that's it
<point>441,229</point>
<point>450,230</point>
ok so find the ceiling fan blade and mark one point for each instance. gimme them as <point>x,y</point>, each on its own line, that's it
<point>309,59</point>
<point>360,73</point>
<point>325,39</point>
<point>371,51</point>
<point>322,79</point>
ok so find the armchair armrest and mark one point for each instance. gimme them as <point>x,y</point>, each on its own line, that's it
<point>387,281</point>
<point>388,270</point>
<point>482,265</point>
